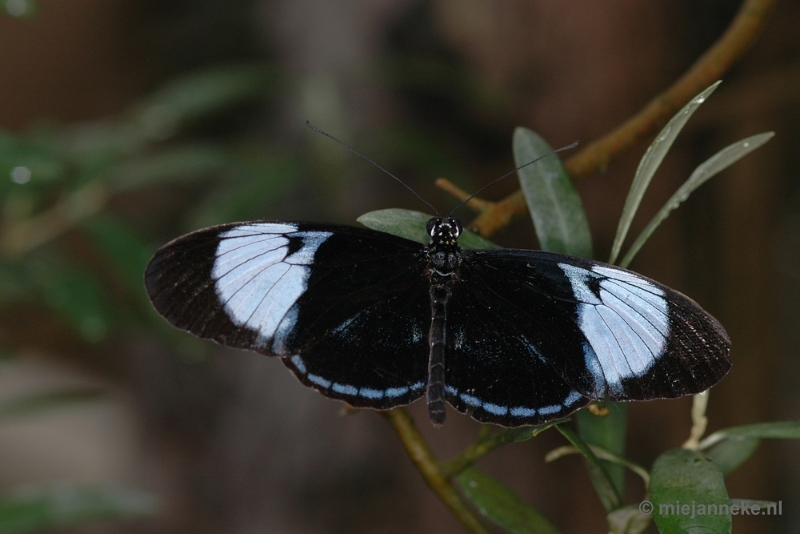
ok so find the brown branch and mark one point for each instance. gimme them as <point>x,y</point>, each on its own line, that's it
<point>737,39</point>
<point>475,204</point>
<point>428,466</point>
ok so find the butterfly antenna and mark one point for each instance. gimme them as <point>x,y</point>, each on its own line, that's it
<point>509,173</point>
<point>357,153</point>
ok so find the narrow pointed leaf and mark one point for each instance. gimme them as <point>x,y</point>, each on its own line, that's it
<point>553,202</point>
<point>202,93</point>
<point>682,482</point>
<point>497,502</point>
<point>597,473</point>
<point>730,453</point>
<point>649,165</point>
<point>487,442</point>
<point>607,433</point>
<point>180,164</point>
<point>411,225</point>
<point>713,165</point>
<point>67,505</point>
<point>773,430</point>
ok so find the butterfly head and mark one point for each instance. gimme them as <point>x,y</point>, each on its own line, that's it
<point>444,231</point>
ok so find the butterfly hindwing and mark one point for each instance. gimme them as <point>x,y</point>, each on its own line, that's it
<point>501,373</point>
<point>345,308</point>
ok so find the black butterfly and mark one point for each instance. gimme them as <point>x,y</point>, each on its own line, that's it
<point>512,337</point>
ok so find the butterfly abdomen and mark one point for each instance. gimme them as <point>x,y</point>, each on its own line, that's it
<point>444,258</point>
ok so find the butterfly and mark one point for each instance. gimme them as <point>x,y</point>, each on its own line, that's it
<point>510,337</point>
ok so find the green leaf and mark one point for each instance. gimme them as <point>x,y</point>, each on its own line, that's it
<point>649,165</point>
<point>497,502</point>
<point>180,164</point>
<point>45,401</point>
<point>730,453</point>
<point>553,202</point>
<point>411,225</point>
<point>200,94</point>
<point>773,430</point>
<point>713,165</point>
<point>729,448</point>
<point>597,473</point>
<point>607,433</point>
<point>68,505</point>
<point>628,520</point>
<point>688,494</point>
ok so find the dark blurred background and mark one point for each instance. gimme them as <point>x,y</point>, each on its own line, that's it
<point>124,124</point>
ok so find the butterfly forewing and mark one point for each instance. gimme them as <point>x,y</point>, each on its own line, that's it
<point>345,308</point>
<point>607,332</point>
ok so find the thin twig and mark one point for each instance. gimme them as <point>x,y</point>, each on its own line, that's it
<point>737,39</point>
<point>488,442</point>
<point>602,454</point>
<point>699,420</point>
<point>428,466</point>
<point>476,204</point>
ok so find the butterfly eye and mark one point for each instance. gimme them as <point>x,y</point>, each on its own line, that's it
<point>456,225</point>
<point>432,225</point>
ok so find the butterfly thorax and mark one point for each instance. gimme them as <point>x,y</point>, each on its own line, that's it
<point>444,258</point>
<point>444,254</point>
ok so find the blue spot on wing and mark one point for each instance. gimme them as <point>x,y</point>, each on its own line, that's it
<point>494,408</point>
<point>520,412</point>
<point>550,410</point>
<point>370,393</point>
<point>345,389</point>
<point>299,365</point>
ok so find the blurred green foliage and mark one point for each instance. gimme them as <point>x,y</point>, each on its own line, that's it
<point>64,242</point>
<point>73,216</point>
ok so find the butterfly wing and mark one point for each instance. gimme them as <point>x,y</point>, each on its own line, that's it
<point>345,308</point>
<point>567,331</point>
<point>499,372</point>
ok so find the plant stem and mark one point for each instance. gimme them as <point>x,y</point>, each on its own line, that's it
<point>428,466</point>
<point>488,442</point>
<point>699,420</point>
